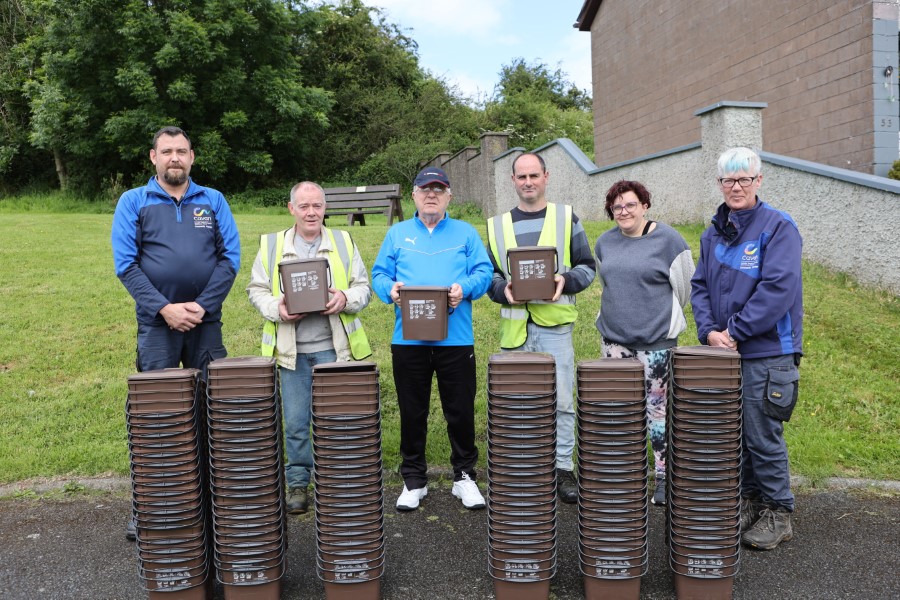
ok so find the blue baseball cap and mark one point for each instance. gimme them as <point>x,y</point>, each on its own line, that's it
<point>431,175</point>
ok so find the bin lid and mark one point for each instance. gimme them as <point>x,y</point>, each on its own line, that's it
<point>174,373</point>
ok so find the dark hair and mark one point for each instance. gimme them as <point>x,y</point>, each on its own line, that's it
<point>537,156</point>
<point>622,186</point>
<point>172,131</point>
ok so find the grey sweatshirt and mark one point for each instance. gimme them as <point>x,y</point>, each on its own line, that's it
<point>646,283</point>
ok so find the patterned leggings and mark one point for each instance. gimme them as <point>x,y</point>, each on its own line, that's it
<point>656,379</point>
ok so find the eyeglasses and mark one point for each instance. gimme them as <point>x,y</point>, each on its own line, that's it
<point>728,182</point>
<point>437,189</point>
<point>630,207</point>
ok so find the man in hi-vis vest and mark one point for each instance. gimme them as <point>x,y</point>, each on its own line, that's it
<point>543,326</point>
<point>299,342</point>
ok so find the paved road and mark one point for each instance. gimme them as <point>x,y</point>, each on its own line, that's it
<point>846,545</point>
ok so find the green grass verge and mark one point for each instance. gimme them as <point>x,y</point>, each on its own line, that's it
<point>67,345</point>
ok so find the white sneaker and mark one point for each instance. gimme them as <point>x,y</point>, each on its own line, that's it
<point>409,499</point>
<point>467,490</point>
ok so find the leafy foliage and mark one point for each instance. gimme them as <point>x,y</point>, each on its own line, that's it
<point>536,105</point>
<point>224,70</point>
<point>894,173</point>
<point>270,91</point>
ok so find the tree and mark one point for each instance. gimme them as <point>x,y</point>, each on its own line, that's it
<point>536,105</point>
<point>367,63</point>
<point>224,70</point>
<point>538,82</point>
<point>20,163</point>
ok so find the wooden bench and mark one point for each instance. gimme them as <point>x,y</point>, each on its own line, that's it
<point>357,202</point>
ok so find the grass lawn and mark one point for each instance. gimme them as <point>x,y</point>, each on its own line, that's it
<point>67,345</point>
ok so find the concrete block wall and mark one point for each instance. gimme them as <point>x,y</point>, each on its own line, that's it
<point>818,64</point>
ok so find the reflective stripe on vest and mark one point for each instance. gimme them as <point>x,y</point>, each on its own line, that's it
<point>556,232</point>
<point>272,247</point>
<point>356,335</point>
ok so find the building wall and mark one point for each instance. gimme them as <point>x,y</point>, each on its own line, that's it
<point>682,181</point>
<point>818,64</point>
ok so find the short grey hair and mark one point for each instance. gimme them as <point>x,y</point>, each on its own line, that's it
<point>739,159</point>
<point>305,184</point>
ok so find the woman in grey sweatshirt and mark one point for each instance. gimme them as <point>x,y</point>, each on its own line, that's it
<point>645,270</point>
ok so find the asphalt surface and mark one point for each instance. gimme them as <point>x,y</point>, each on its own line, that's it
<point>845,546</point>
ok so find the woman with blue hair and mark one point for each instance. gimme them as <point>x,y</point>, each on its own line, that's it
<point>747,295</point>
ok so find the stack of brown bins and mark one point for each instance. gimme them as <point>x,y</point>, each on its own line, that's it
<point>349,490</point>
<point>166,448</point>
<point>522,474</point>
<point>612,477</point>
<point>704,471</point>
<point>246,477</point>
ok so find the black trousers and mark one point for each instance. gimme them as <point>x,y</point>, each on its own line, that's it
<point>414,367</point>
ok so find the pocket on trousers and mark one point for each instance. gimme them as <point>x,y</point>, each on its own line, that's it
<point>782,391</point>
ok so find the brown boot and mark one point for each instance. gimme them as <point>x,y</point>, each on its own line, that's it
<point>751,507</point>
<point>772,528</point>
<point>297,502</point>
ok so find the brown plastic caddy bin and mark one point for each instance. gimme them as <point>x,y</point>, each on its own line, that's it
<point>424,311</point>
<point>304,283</point>
<point>531,272</point>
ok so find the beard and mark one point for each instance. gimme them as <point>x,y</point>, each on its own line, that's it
<point>175,177</point>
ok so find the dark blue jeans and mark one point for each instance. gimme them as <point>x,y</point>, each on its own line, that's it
<point>296,403</point>
<point>159,347</point>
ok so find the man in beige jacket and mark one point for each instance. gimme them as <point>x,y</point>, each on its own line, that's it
<point>299,342</point>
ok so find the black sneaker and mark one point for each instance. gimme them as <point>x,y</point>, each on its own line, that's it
<point>566,488</point>
<point>659,494</point>
<point>297,501</point>
<point>772,528</point>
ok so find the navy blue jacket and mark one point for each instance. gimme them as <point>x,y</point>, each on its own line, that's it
<point>169,253</point>
<point>748,280</point>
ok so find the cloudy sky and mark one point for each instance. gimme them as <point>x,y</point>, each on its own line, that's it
<point>466,42</point>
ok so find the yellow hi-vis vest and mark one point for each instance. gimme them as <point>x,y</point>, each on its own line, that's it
<point>272,246</point>
<point>557,232</point>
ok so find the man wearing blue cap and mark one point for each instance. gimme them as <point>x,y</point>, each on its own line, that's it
<point>433,249</point>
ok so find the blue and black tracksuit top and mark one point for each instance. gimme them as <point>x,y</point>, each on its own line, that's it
<point>451,253</point>
<point>167,252</point>
<point>748,280</point>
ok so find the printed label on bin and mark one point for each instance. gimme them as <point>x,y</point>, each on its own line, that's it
<point>247,576</point>
<point>532,269</point>
<point>305,281</point>
<point>349,570</point>
<point>612,568</point>
<point>422,309</point>
<point>519,570</point>
<point>706,566</point>
<point>166,579</point>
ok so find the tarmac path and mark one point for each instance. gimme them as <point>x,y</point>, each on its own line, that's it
<point>846,545</point>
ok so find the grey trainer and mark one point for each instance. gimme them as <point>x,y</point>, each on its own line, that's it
<point>772,528</point>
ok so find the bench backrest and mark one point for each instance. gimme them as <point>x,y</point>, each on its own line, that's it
<point>358,201</point>
<point>362,192</point>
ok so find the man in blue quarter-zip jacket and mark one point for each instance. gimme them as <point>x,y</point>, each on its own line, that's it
<point>434,250</point>
<point>177,252</point>
<point>747,295</point>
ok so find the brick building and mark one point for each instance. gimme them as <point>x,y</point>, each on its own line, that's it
<point>826,68</point>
